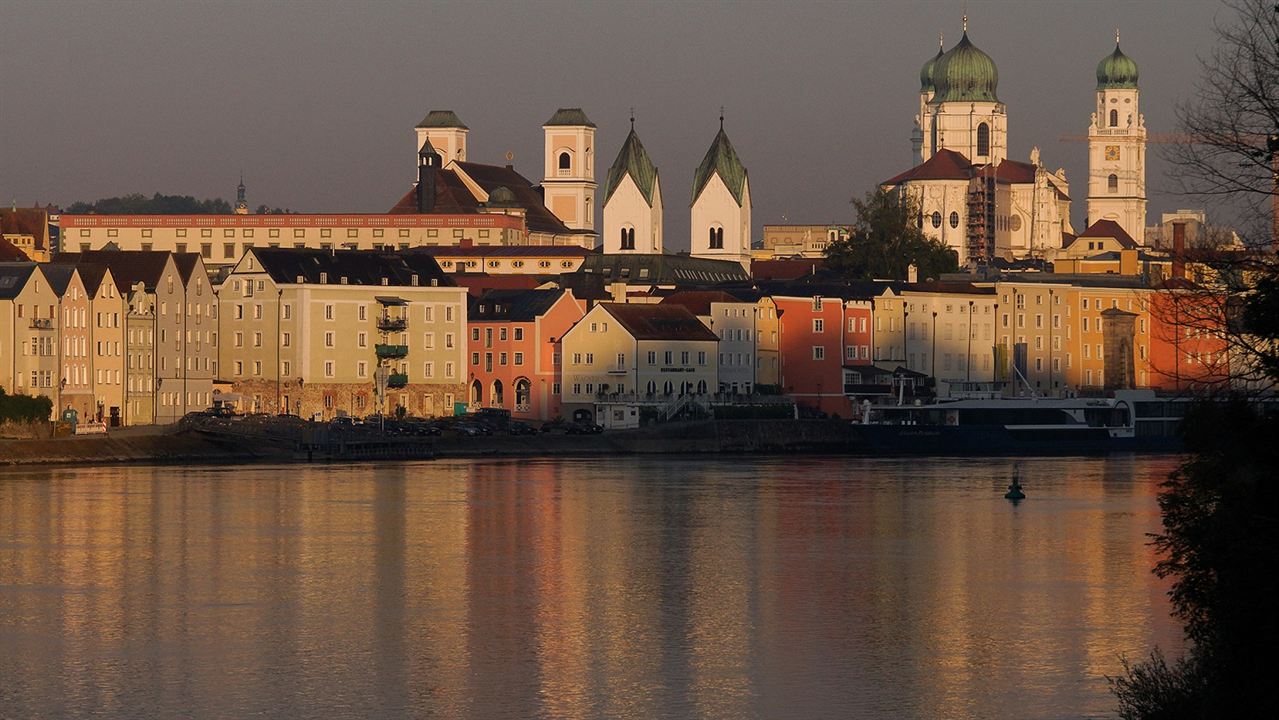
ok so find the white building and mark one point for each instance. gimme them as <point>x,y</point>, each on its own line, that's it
<point>721,208</point>
<point>1117,148</point>
<point>734,321</point>
<point>632,201</point>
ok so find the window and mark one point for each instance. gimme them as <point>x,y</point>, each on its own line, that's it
<point>328,312</point>
<point>286,339</point>
<point>475,358</point>
<point>717,238</point>
<point>683,358</point>
<point>1114,118</point>
<point>954,219</point>
<point>983,139</point>
<point>362,369</point>
<point>819,352</point>
<point>519,358</point>
<point>328,368</point>
<point>328,339</point>
<point>936,219</point>
<point>819,325</point>
<point>621,361</point>
<point>362,340</point>
<point>519,333</point>
<point>1112,183</point>
<point>566,161</point>
<point>628,238</point>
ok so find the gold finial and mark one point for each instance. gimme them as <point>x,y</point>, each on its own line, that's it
<point>965,22</point>
<point>510,156</point>
<point>941,41</point>
<point>1116,36</point>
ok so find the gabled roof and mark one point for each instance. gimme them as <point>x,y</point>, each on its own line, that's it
<point>92,275</point>
<point>26,221</point>
<point>128,267</point>
<point>943,165</point>
<point>699,302</point>
<point>10,253</point>
<point>573,117</point>
<point>186,263</point>
<point>662,269</point>
<point>357,267</point>
<point>632,160</point>
<point>492,177</point>
<point>442,119</point>
<point>721,159</point>
<point>1109,229</point>
<point>59,277</point>
<point>1011,171</point>
<point>512,305</point>
<point>659,322</point>
<point>13,277</point>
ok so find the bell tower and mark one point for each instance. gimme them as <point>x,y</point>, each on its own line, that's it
<point>568,183</point>
<point>721,208</point>
<point>1117,147</point>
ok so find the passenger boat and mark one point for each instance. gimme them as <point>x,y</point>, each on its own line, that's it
<point>1016,426</point>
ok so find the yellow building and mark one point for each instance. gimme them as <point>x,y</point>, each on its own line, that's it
<point>306,332</point>
<point>29,343</point>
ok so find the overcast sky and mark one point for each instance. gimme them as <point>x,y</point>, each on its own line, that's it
<point>316,101</point>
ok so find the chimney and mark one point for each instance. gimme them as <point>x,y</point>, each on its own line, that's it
<point>466,243</point>
<point>1128,261</point>
<point>427,165</point>
<point>1179,250</point>
<point>912,273</point>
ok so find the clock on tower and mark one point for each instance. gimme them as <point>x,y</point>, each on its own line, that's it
<point>1112,152</point>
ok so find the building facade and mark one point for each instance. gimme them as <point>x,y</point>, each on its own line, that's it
<point>1117,148</point>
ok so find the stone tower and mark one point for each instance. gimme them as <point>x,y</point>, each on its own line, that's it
<point>569,180</point>
<point>1117,147</point>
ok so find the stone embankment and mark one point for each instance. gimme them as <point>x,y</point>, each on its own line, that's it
<point>174,445</point>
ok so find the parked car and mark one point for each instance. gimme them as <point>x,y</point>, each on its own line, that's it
<point>581,427</point>
<point>521,428</point>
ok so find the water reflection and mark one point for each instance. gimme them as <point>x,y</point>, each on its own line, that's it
<point>577,589</point>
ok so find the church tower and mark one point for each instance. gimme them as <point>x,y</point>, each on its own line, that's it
<point>569,184</point>
<point>445,133</point>
<point>721,208</point>
<point>632,201</point>
<point>241,204</point>
<point>964,113</point>
<point>1117,148</point>
<point>924,118</point>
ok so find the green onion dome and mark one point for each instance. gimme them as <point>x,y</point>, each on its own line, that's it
<point>965,74</point>
<point>1116,70</point>
<point>926,72</point>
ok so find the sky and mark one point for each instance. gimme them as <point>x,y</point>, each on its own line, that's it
<point>316,101</point>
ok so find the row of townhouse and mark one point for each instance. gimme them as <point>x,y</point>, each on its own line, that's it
<point>122,338</point>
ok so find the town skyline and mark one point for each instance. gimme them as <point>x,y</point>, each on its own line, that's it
<point>843,132</point>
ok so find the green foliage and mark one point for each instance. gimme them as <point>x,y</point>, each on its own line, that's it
<point>139,204</point>
<point>24,408</point>
<point>1155,690</point>
<point>885,240</point>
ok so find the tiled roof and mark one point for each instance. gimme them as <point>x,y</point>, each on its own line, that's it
<point>484,251</point>
<point>570,116</point>
<point>477,284</point>
<point>512,305</point>
<point>442,119</point>
<point>92,275</point>
<point>186,263</point>
<point>491,177</point>
<point>659,322</point>
<point>632,160</point>
<point>1109,229</point>
<point>356,267</point>
<point>1011,171</point>
<point>10,253</point>
<point>943,165</point>
<point>59,277</point>
<point>699,302</point>
<point>26,221</point>
<point>128,267</point>
<point>662,269</point>
<point>13,277</point>
<point>721,159</point>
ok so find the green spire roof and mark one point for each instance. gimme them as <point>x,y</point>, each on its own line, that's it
<point>1116,70</point>
<point>571,117</point>
<point>721,158</point>
<point>442,119</point>
<point>926,72</point>
<point>632,160</point>
<point>965,74</point>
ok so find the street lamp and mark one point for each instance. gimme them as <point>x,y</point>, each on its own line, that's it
<point>968,358</point>
<point>905,347</point>
<point>934,372</point>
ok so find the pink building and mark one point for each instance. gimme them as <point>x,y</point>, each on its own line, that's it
<point>822,330</point>
<point>514,359</point>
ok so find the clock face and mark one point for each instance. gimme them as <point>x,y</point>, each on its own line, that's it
<point>1112,152</point>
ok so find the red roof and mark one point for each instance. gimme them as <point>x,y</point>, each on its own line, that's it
<point>659,322</point>
<point>10,253</point>
<point>785,269</point>
<point>699,302</point>
<point>944,165</point>
<point>1011,171</point>
<point>1109,229</point>
<point>477,283</point>
<point>26,221</point>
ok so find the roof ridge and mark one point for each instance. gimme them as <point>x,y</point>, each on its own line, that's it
<point>632,159</point>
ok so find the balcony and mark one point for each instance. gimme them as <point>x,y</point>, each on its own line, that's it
<point>391,352</point>
<point>391,324</point>
<point>41,323</point>
<point>397,380</point>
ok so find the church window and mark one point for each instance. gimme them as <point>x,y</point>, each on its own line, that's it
<point>983,139</point>
<point>1112,183</point>
<point>566,161</point>
<point>936,219</point>
<point>628,238</point>
<point>1114,118</point>
<point>954,219</point>
<point>717,238</point>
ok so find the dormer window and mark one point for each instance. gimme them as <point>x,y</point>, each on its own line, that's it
<point>324,278</point>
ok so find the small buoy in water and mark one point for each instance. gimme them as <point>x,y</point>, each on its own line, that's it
<point>1014,491</point>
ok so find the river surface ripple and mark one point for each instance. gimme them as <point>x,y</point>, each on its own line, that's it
<point>632,587</point>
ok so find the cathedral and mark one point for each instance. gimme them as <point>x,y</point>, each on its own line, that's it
<point>983,204</point>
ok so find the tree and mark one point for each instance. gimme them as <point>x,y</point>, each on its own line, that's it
<point>139,204</point>
<point>886,240</point>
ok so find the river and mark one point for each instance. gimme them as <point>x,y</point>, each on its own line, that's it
<point>628,587</point>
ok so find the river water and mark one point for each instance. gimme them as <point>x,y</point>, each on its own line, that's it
<point>632,587</point>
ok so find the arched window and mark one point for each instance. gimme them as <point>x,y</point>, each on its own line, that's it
<point>477,392</point>
<point>496,398</point>
<point>983,139</point>
<point>628,238</point>
<point>717,238</point>
<point>1112,183</point>
<point>1114,118</point>
<point>954,219</point>
<point>668,388</point>
<point>936,219</point>
<point>651,388</point>
<point>566,161</point>
<point>701,387</point>
<point>522,394</point>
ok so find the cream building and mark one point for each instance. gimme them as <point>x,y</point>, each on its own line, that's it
<point>568,184</point>
<point>444,130</point>
<point>1117,148</point>
<point>959,108</point>
<point>807,241</point>
<point>29,352</point>
<point>643,351</point>
<point>108,351</point>
<point>305,332</point>
<point>721,207</point>
<point>632,201</point>
<point>734,321</point>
